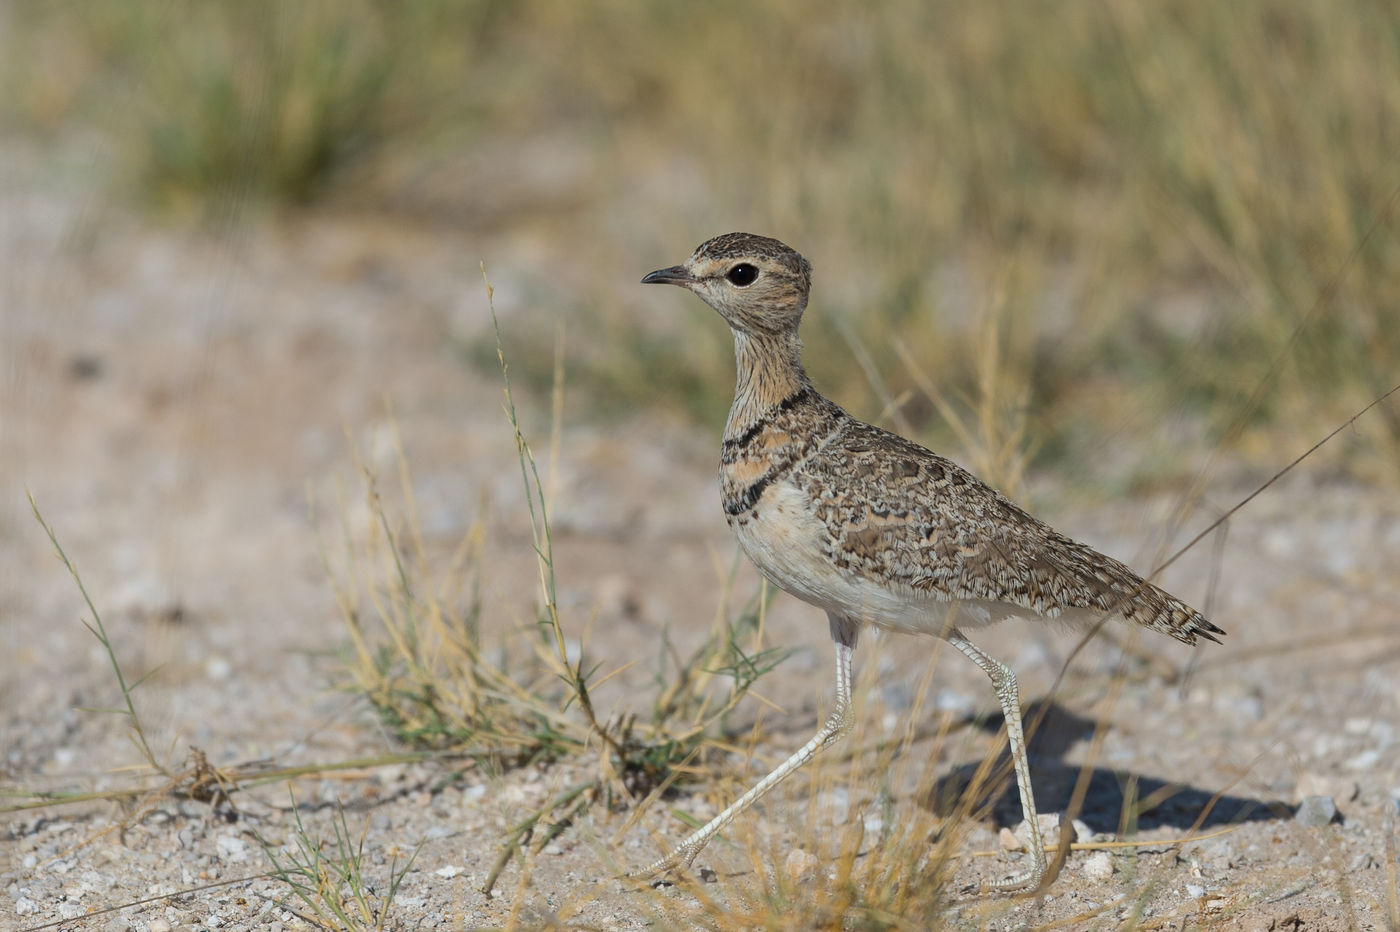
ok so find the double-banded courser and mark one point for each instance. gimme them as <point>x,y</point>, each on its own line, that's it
<point>873,528</point>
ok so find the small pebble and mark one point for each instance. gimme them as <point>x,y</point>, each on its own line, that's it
<point>1280,543</point>
<point>1316,811</point>
<point>1363,862</point>
<point>1250,708</point>
<point>231,847</point>
<point>897,697</point>
<point>1365,760</point>
<point>1195,891</point>
<point>1049,824</point>
<point>1098,866</point>
<point>959,704</point>
<point>158,925</point>
<point>801,866</point>
<point>837,801</point>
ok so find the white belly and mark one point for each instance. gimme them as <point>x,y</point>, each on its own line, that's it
<point>790,547</point>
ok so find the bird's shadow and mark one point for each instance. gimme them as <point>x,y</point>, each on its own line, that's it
<point>1114,801</point>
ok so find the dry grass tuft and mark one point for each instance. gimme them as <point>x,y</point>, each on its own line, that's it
<point>419,659</point>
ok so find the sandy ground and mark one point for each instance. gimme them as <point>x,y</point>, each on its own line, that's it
<point>172,401</point>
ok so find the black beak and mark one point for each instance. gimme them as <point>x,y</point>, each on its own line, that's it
<point>675,275</point>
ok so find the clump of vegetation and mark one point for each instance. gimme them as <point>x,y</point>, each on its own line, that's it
<point>329,877</point>
<point>419,658</point>
<point>218,105</point>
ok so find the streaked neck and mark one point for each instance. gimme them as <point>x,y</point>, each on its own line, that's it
<point>769,372</point>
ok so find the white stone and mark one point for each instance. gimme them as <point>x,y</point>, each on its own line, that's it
<point>231,847</point>
<point>801,866</point>
<point>1049,824</point>
<point>1098,866</point>
<point>1316,811</point>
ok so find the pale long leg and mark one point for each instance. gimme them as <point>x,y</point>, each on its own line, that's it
<point>1004,682</point>
<point>844,633</point>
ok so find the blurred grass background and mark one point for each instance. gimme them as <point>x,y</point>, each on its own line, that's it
<point>1091,231</point>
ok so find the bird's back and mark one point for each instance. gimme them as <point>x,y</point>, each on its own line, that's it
<point>869,525</point>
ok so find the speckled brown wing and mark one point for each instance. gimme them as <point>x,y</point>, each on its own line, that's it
<point>907,518</point>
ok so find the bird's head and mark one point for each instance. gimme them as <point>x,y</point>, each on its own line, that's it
<point>758,285</point>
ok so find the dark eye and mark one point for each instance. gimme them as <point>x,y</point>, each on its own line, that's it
<point>742,274</point>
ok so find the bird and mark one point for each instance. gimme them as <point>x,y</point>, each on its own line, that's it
<point>875,529</point>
